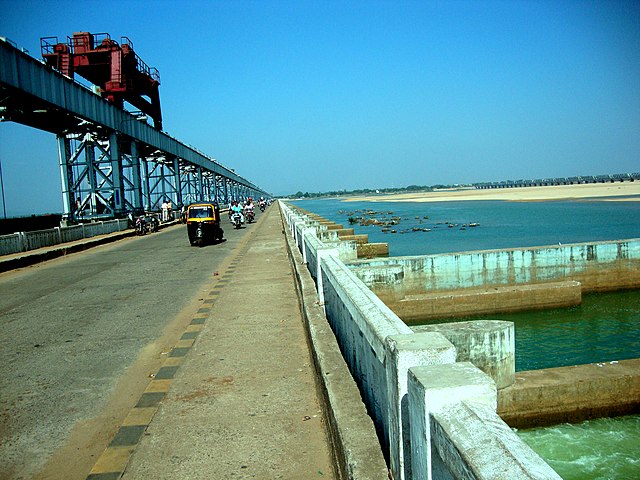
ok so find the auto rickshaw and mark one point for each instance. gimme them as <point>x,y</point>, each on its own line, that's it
<point>203,224</point>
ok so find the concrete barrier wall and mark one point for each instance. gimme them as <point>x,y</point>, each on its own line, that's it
<point>72,234</point>
<point>598,266</point>
<point>380,351</point>
<point>25,241</point>
<point>456,432</point>
<point>11,243</point>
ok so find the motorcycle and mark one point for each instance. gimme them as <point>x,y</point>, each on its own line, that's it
<point>236,219</point>
<point>263,205</point>
<point>141,226</point>
<point>153,224</point>
<point>250,216</point>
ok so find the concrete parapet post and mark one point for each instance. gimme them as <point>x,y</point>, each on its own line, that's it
<point>305,233</point>
<point>321,254</point>
<point>23,241</point>
<point>488,344</point>
<point>328,236</point>
<point>402,353</point>
<point>432,389</point>
<point>469,437</point>
<point>456,433</point>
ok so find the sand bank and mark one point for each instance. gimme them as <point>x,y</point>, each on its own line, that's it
<point>622,191</point>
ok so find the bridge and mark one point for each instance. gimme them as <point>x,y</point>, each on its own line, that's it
<point>223,384</point>
<point>545,182</point>
<point>111,161</point>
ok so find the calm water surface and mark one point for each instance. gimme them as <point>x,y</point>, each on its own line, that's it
<point>502,224</point>
<point>605,327</point>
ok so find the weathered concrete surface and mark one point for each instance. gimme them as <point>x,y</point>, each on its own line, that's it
<point>243,404</point>
<point>357,451</point>
<point>344,232</point>
<point>487,344</point>
<point>404,352</point>
<point>370,250</point>
<point>360,238</point>
<point>329,230</point>
<point>477,301</point>
<point>571,394</point>
<point>470,437</point>
<point>457,433</point>
<point>598,266</point>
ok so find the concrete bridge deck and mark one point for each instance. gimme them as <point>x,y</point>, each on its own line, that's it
<point>237,396</point>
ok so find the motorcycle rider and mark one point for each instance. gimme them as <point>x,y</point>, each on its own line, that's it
<point>249,208</point>
<point>262,204</point>
<point>237,208</point>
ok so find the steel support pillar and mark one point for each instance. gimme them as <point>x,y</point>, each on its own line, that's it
<point>66,177</point>
<point>161,175</point>
<point>117,199</point>
<point>177,200</point>
<point>146,192</point>
<point>222,196</point>
<point>136,179</point>
<point>200,187</point>
<point>190,192</point>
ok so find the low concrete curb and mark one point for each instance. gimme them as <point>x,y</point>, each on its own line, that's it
<point>25,259</point>
<point>356,449</point>
<point>42,255</point>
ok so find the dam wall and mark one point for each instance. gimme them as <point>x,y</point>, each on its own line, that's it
<point>435,415</point>
<point>598,266</point>
<point>495,281</point>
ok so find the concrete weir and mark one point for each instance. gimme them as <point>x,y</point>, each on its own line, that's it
<point>453,285</point>
<point>420,289</point>
<point>432,395</point>
<point>571,394</point>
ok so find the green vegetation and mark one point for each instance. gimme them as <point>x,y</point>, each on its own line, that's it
<point>368,191</point>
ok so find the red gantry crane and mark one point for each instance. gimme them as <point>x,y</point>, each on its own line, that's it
<point>115,68</point>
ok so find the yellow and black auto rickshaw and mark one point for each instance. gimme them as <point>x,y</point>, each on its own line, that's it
<point>203,224</point>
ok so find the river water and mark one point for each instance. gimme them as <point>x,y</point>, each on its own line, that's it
<point>502,224</point>
<point>603,449</point>
<point>604,328</point>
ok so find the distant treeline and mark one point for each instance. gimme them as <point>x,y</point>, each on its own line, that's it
<point>369,191</point>
<point>610,178</point>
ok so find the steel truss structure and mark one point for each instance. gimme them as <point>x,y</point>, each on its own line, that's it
<point>111,164</point>
<point>109,175</point>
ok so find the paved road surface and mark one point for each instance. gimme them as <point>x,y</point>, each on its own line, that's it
<point>79,337</point>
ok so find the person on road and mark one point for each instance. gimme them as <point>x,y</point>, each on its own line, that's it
<point>165,211</point>
<point>249,205</point>
<point>237,208</point>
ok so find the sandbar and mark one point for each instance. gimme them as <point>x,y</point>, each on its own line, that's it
<point>619,191</point>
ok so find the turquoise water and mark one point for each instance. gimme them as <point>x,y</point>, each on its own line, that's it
<point>603,449</point>
<point>605,327</point>
<point>502,224</point>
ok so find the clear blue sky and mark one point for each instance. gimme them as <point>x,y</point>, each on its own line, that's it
<point>327,95</point>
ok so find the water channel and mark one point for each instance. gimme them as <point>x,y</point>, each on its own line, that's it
<point>604,328</point>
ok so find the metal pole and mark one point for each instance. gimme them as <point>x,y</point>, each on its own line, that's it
<point>4,205</point>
